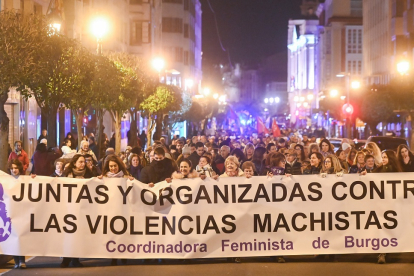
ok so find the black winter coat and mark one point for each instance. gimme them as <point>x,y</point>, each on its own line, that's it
<point>157,171</point>
<point>294,169</point>
<point>313,170</point>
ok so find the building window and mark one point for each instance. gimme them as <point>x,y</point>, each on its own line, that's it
<point>186,54</point>
<point>136,33</point>
<point>356,8</point>
<point>354,41</point>
<point>178,54</point>
<point>140,32</point>
<point>172,25</point>
<point>186,31</point>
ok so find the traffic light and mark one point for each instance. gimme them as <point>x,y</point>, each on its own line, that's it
<point>85,121</point>
<point>347,109</point>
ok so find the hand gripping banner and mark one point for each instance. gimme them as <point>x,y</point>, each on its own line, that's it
<point>194,218</point>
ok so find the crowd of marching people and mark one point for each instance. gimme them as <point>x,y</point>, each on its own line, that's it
<point>205,157</point>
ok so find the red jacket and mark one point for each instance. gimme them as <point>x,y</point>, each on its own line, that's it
<point>23,158</point>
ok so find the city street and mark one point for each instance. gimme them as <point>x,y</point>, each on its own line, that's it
<point>345,265</point>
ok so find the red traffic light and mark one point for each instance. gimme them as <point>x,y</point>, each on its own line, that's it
<point>347,109</point>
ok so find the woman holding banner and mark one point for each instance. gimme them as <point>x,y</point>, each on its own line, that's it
<point>16,169</point>
<point>332,165</point>
<point>359,163</point>
<point>186,171</point>
<point>389,165</point>
<point>316,161</point>
<point>76,169</point>
<point>115,168</point>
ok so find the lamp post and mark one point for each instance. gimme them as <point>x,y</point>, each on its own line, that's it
<point>403,67</point>
<point>99,28</point>
<point>158,64</point>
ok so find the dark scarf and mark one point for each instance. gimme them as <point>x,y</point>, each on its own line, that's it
<point>78,173</point>
<point>135,171</point>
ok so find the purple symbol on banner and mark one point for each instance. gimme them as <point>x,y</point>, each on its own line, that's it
<point>5,221</point>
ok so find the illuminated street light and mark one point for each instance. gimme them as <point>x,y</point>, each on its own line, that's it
<point>355,84</point>
<point>99,27</point>
<point>305,104</point>
<point>215,96</point>
<point>271,100</point>
<point>310,97</point>
<point>403,67</point>
<point>333,93</point>
<point>343,97</point>
<point>158,64</point>
<point>206,91</point>
<point>277,100</point>
<point>296,99</point>
<point>302,99</point>
<point>298,104</point>
<point>266,100</point>
<point>188,83</point>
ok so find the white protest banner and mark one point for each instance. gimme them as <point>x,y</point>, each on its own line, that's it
<point>192,218</point>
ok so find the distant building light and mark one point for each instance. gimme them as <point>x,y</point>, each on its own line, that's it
<point>266,100</point>
<point>277,100</point>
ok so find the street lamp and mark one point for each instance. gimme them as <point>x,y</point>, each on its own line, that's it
<point>99,28</point>
<point>206,91</point>
<point>266,100</point>
<point>333,93</point>
<point>215,96</point>
<point>188,83</point>
<point>310,97</point>
<point>355,84</point>
<point>158,64</point>
<point>403,67</point>
<point>277,100</point>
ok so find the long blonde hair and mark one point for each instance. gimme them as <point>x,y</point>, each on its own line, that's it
<point>375,151</point>
<point>336,164</point>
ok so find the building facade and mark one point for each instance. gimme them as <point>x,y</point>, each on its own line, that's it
<point>169,29</point>
<point>301,67</point>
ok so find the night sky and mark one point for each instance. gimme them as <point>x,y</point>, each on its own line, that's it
<point>250,29</point>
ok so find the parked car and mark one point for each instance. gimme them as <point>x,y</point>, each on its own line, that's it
<point>387,142</point>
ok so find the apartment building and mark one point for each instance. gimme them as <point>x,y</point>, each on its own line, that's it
<point>170,29</point>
